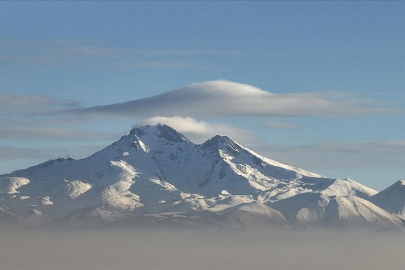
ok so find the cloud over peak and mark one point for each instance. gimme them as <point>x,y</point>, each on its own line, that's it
<point>223,98</point>
<point>199,131</point>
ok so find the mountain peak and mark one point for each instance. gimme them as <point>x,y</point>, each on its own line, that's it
<point>217,141</point>
<point>161,131</point>
<point>400,183</point>
<point>392,198</point>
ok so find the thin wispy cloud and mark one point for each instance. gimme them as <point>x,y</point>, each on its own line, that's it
<point>282,125</point>
<point>169,64</point>
<point>90,51</point>
<point>10,153</point>
<point>189,52</point>
<point>35,59</point>
<point>29,105</point>
<point>230,99</point>
<point>38,51</point>
<point>41,121</point>
<point>38,42</point>
<point>340,155</point>
<point>7,101</point>
<point>56,134</point>
<point>152,64</point>
<point>68,51</point>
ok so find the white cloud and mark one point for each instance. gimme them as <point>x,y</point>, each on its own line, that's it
<point>200,131</point>
<point>230,99</point>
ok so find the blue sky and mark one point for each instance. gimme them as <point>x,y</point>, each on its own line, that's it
<point>318,85</point>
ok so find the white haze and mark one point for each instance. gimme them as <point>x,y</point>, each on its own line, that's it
<point>164,249</point>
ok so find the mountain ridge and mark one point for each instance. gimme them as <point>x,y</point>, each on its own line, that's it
<point>156,171</point>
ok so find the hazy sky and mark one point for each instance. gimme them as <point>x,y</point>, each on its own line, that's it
<point>318,85</point>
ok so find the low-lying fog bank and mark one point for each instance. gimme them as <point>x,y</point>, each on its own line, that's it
<point>175,249</point>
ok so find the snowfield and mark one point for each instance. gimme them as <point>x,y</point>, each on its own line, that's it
<point>156,176</point>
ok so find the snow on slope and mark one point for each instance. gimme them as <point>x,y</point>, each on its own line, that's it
<point>154,170</point>
<point>392,198</point>
<point>348,187</point>
<point>340,212</point>
<point>255,214</point>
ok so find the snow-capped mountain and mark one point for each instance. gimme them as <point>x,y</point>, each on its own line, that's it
<point>155,175</point>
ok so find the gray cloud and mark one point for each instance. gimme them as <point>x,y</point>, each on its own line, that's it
<point>38,51</point>
<point>42,121</point>
<point>10,153</point>
<point>67,51</point>
<point>37,59</point>
<point>229,99</point>
<point>153,64</point>
<point>56,134</point>
<point>98,51</point>
<point>32,104</point>
<point>28,100</point>
<point>378,154</point>
<point>281,125</point>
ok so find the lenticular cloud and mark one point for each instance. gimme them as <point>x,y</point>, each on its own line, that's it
<point>230,99</point>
